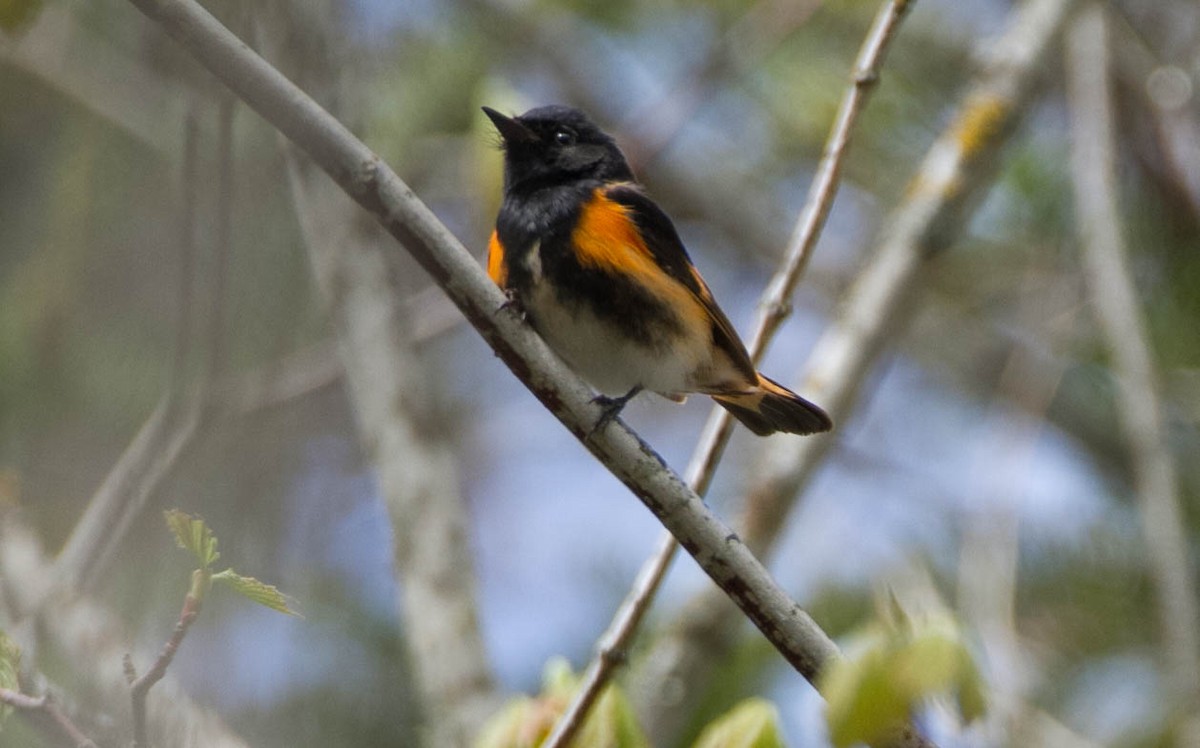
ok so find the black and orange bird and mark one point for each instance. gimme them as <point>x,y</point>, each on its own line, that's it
<point>601,274</point>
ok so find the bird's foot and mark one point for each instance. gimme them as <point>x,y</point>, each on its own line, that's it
<point>612,408</point>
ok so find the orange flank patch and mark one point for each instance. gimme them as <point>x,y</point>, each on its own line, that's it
<point>497,268</point>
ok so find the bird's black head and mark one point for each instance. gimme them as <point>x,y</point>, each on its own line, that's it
<point>554,145</point>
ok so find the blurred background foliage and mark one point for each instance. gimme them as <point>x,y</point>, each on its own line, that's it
<point>724,106</point>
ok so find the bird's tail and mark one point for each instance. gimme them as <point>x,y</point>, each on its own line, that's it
<point>771,407</point>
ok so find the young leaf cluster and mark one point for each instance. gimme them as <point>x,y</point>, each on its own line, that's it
<point>193,534</point>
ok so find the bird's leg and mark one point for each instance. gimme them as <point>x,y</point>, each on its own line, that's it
<point>612,407</point>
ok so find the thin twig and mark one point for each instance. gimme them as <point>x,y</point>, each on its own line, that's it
<point>1114,298</point>
<point>93,639</point>
<point>748,41</point>
<point>169,430</point>
<point>222,240</point>
<point>774,309</point>
<point>48,707</point>
<point>140,688</point>
<point>375,187</point>
<point>946,186</point>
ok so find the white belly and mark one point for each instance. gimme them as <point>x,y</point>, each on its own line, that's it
<point>611,362</point>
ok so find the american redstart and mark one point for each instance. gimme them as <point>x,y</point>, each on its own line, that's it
<point>603,277</point>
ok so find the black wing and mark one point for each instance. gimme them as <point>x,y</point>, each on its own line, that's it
<point>664,243</point>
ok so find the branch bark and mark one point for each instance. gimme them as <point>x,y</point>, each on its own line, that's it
<point>389,389</point>
<point>1114,298</point>
<point>947,185</point>
<point>774,308</point>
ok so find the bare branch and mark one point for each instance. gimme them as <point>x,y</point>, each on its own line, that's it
<point>774,309</point>
<point>93,641</point>
<point>47,706</point>
<point>988,554</point>
<point>133,480</point>
<point>389,389</point>
<point>416,468</point>
<point>1114,298</point>
<point>949,182</point>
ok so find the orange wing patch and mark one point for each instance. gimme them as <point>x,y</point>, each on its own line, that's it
<point>606,238</point>
<point>497,267</point>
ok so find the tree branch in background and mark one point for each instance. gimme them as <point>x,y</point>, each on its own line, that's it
<point>1114,299</point>
<point>1169,94</point>
<point>375,187</point>
<point>137,475</point>
<point>171,427</point>
<point>389,389</point>
<point>93,642</point>
<point>774,309</point>
<point>46,706</point>
<point>947,185</point>
<point>989,550</point>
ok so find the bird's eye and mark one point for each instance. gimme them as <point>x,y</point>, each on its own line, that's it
<point>564,137</point>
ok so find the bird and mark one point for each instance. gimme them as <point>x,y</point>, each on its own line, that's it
<point>599,271</point>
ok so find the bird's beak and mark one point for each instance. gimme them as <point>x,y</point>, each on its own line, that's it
<point>513,132</point>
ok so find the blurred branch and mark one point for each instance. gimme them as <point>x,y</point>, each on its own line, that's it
<point>397,417</point>
<point>376,188</point>
<point>415,466</point>
<point>990,547</point>
<point>742,47</point>
<point>1114,298</point>
<point>58,50</point>
<point>137,475</point>
<point>46,706</point>
<point>92,642</point>
<point>774,309</point>
<point>1170,94</point>
<point>947,185</point>
<point>173,424</point>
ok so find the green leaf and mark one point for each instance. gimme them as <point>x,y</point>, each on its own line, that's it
<point>897,668</point>
<point>191,533</point>
<point>259,592</point>
<point>558,680</point>
<point>518,724</point>
<point>754,723</point>
<point>611,724</point>
<point>861,702</point>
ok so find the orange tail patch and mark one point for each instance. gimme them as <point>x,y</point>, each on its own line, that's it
<point>771,407</point>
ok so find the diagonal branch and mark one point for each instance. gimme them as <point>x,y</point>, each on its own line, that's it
<point>774,309</point>
<point>952,178</point>
<point>375,187</point>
